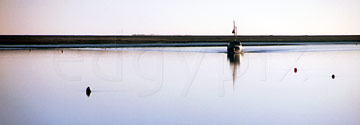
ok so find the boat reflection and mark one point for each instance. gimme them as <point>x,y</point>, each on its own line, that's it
<point>235,61</point>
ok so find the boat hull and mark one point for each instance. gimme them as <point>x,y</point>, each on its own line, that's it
<point>234,47</point>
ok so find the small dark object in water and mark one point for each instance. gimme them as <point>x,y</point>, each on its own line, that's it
<point>295,70</point>
<point>88,91</point>
<point>333,76</point>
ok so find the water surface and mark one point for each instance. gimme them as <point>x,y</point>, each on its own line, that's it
<point>182,85</point>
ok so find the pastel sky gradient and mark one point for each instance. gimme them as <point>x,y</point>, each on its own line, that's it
<point>180,17</point>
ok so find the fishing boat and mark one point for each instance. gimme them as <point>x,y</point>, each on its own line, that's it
<point>236,45</point>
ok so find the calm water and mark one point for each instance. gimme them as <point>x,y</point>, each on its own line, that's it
<point>181,85</point>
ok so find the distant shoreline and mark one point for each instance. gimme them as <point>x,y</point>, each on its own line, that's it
<point>67,41</point>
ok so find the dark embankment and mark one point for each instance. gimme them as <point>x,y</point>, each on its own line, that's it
<point>119,41</point>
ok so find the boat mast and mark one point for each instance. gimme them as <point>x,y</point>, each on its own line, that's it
<point>235,31</point>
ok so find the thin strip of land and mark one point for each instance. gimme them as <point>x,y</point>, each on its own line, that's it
<point>49,41</point>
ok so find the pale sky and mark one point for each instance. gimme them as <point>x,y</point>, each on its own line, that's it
<point>180,17</point>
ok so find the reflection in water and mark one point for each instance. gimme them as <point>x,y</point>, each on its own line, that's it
<point>235,60</point>
<point>88,91</point>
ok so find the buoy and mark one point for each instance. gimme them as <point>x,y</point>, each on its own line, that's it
<point>88,91</point>
<point>333,76</point>
<point>295,70</point>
